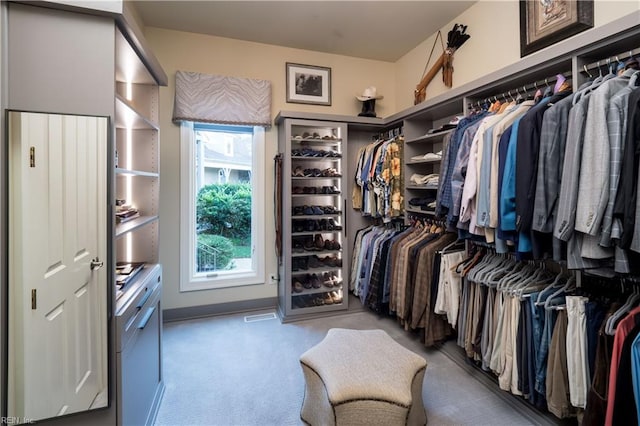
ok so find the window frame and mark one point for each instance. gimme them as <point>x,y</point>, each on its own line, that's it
<point>189,281</point>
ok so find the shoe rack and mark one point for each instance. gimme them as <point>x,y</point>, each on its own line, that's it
<point>313,227</point>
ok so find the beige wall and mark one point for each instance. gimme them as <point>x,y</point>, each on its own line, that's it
<point>493,25</point>
<point>215,55</point>
<point>495,43</point>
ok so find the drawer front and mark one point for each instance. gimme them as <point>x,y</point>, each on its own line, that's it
<point>129,319</point>
<point>140,368</point>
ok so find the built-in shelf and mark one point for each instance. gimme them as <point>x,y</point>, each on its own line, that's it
<point>429,136</point>
<point>126,172</point>
<point>133,224</point>
<point>419,211</point>
<point>328,158</point>
<point>307,233</point>
<point>315,140</point>
<point>315,216</point>
<point>435,160</point>
<point>314,177</point>
<point>315,195</point>
<point>317,253</point>
<point>127,117</point>
<point>432,187</point>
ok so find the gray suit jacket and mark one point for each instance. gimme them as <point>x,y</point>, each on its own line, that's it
<point>596,153</point>
<point>553,136</point>
<point>617,126</point>
<point>571,170</point>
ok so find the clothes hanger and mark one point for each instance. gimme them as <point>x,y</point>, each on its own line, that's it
<point>481,266</point>
<point>451,245</point>
<point>493,276</point>
<point>557,283</point>
<point>634,297</point>
<point>496,261</point>
<point>516,275</point>
<point>531,279</point>
<point>548,91</point>
<point>544,279</point>
<point>568,285</point>
<point>502,276</point>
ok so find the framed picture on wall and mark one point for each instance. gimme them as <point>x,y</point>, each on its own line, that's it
<point>546,22</point>
<point>308,84</point>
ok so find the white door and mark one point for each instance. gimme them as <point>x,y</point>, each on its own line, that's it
<point>58,226</point>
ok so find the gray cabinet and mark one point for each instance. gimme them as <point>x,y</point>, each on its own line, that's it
<point>139,351</point>
<point>312,277</point>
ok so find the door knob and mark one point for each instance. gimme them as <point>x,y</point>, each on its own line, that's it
<point>96,264</point>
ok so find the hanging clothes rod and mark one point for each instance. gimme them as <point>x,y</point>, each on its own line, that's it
<point>521,90</point>
<point>388,134</point>
<point>622,57</point>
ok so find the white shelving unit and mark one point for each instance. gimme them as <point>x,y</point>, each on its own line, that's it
<point>312,163</point>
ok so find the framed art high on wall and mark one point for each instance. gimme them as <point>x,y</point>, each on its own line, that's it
<point>308,84</point>
<point>546,22</point>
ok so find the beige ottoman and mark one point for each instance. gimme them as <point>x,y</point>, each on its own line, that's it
<point>356,377</point>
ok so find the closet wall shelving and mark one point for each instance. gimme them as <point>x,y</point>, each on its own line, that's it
<point>568,57</point>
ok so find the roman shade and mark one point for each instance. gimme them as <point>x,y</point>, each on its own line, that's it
<point>207,98</point>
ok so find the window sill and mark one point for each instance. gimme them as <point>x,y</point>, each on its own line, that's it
<point>221,282</point>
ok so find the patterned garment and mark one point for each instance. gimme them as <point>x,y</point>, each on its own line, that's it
<point>393,181</point>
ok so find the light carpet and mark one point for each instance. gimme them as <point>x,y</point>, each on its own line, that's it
<point>225,371</point>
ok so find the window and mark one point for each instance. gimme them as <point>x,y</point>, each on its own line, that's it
<point>222,195</point>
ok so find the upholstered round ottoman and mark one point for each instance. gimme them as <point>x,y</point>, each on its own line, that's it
<point>362,377</point>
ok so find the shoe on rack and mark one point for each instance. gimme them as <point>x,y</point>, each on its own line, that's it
<point>317,210</point>
<point>319,242</point>
<point>298,172</point>
<point>329,209</point>
<point>314,262</point>
<point>306,282</point>
<point>326,280</point>
<point>315,281</point>
<point>330,172</point>
<point>297,287</point>
<point>336,280</point>
<point>331,225</point>
<point>335,296</point>
<point>297,190</point>
<point>329,261</point>
<point>309,244</point>
<point>299,302</point>
<point>303,263</point>
<point>298,246</point>
<point>323,225</point>
<point>298,225</point>
<point>327,299</point>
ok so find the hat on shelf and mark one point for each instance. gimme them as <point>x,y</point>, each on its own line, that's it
<point>368,94</point>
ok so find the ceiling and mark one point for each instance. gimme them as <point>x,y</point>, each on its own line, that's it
<point>380,30</point>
